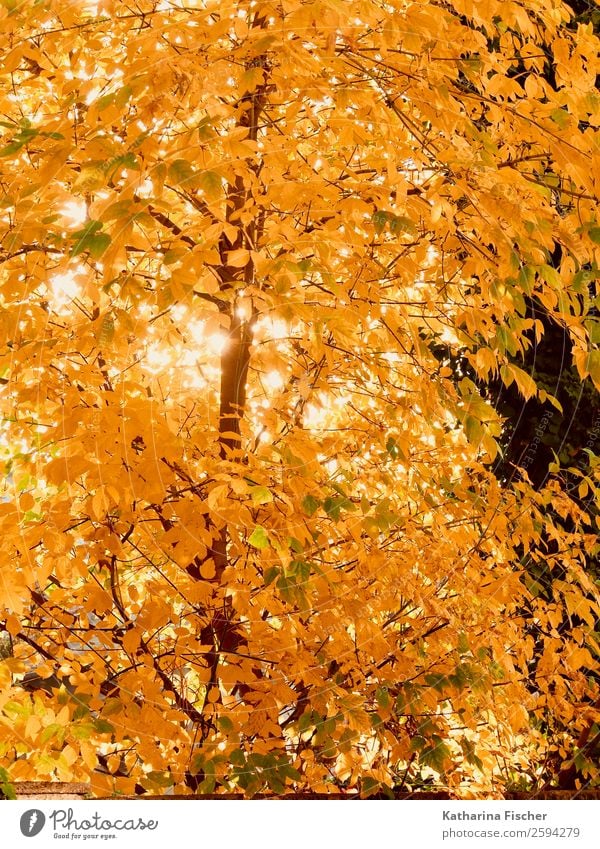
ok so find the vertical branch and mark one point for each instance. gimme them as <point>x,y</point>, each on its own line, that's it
<point>236,356</point>
<point>235,359</point>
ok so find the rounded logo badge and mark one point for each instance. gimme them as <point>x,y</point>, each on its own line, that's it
<point>32,822</point>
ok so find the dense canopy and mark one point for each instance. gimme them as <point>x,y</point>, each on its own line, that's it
<point>266,269</point>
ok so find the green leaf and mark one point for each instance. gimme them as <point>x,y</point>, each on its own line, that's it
<point>391,446</point>
<point>120,209</point>
<point>383,697</point>
<point>89,229</point>
<point>594,234</point>
<point>160,779</point>
<point>14,709</point>
<point>469,753</point>
<point>127,161</point>
<point>295,545</point>
<point>270,574</point>
<point>123,95</point>
<point>463,643</point>
<point>401,224</point>
<point>82,710</point>
<point>96,245</point>
<point>11,148</point>
<point>181,172</point>
<point>333,507</point>
<point>308,720</point>
<point>261,495</point>
<point>369,785</point>
<point>310,505</point>
<point>379,219</point>
<point>506,375</point>
<point>560,117</point>
<point>116,98</point>
<point>237,758</point>
<point>106,331</point>
<point>301,570</point>
<point>103,727</point>
<point>211,183</point>
<point>376,721</point>
<point>474,430</point>
<point>417,743</point>
<point>437,681</point>
<point>593,328</point>
<point>551,276</point>
<point>288,771</point>
<point>19,141</point>
<point>581,281</point>
<point>173,255</point>
<point>112,706</point>
<point>6,788</point>
<point>259,538</point>
<point>225,724</point>
<point>205,129</point>
<point>90,240</point>
<point>526,279</point>
<point>506,340</point>
<point>53,730</point>
<point>436,755</point>
<point>593,366</point>
<point>104,101</point>
<point>82,731</point>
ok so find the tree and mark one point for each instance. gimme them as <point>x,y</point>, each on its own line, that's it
<point>252,537</point>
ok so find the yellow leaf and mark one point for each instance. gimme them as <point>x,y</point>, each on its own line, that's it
<point>207,569</point>
<point>238,258</point>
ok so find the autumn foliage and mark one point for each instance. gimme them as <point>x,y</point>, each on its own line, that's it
<point>252,537</point>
